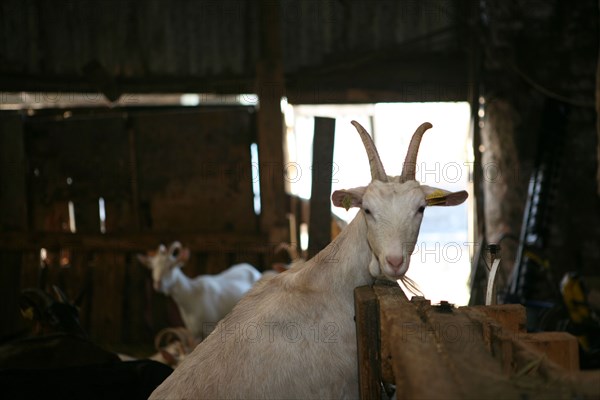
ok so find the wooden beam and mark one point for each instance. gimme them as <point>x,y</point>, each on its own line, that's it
<point>598,125</point>
<point>212,243</point>
<point>513,317</point>
<point>270,87</point>
<point>133,172</point>
<point>13,192</point>
<point>10,283</point>
<point>232,84</point>
<point>319,227</point>
<point>559,347</point>
<point>107,297</point>
<point>456,353</point>
<point>13,216</point>
<point>367,334</point>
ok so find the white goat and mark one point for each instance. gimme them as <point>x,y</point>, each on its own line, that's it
<point>204,300</point>
<point>300,323</point>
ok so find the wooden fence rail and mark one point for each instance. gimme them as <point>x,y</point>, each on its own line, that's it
<point>443,352</point>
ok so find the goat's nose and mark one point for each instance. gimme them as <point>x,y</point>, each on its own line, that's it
<point>394,261</point>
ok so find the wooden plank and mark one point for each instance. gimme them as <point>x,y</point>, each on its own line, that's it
<point>10,273</point>
<point>13,218</point>
<point>415,357</point>
<point>216,262</point>
<point>30,269</point>
<point>87,217</point>
<point>270,86</point>
<point>512,317</point>
<point>79,287</point>
<point>196,178</point>
<point>107,297</point>
<point>387,372</point>
<point>133,174</point>
<point>528,370</point>
<point>444,352</point>
<point>78,159</point>
<point>559,347</point>
<point>218,242</point>
<point>319,228</point>
<point>367,341</point>
<point>13,196</point>
<point>136,303</point>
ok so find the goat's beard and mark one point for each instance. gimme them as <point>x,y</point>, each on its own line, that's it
<point>412,286</point>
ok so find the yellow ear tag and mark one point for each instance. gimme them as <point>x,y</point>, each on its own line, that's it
<point>27,313</point>
<point>436,197</point>
<point>347,202</point>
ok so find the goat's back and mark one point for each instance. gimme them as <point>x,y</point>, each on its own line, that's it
<point>279,342</point>
<point>243,274</point>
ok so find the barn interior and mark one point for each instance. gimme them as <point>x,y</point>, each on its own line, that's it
<point>125,124</point>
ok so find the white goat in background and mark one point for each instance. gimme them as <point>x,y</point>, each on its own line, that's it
<point>300,323</point>
<point>204,300</point>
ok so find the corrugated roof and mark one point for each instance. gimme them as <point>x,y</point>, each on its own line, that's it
<point>169,45</point>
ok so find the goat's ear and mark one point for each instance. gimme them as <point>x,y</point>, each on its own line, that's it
<point>143,259</point>
<point>440,197</point>
<point>348,198</point>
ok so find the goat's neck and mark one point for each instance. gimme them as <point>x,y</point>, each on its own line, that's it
<point>176,284</point>
<point>344,263</point>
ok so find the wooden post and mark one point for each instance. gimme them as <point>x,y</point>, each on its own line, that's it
<point>13,216</point>
<point>271,88</point>
<point>598,125</point>
<point>367,343</point>
<point>319,227</point>
<point>559,347</point>
<point>13,193</point>
<point>133,172</point>
<point>512,317</point>
<point>503,208</point>
<point>107,297</point>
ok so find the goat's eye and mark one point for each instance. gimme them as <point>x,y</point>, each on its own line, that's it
<point>367,211</point>
<point>421,210</point>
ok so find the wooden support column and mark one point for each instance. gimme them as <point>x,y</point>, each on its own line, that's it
<point>319,227</point>
<point>270,87</point>
<point>598,124</point>
<point>367,334</point>
<point>503,194</point>
<point>107,297</point>
<point>13,216</point>
<point>13,193</point>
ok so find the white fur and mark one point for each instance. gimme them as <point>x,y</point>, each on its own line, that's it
<point>204,300</point>
<point>293,336</point>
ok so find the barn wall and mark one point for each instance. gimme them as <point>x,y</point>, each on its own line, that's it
<point>541,62</point>
<point>165,174</point>
<point>204,183</point>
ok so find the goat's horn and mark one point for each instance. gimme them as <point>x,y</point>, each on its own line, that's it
<point>377,171</point>
<point>410,162</point>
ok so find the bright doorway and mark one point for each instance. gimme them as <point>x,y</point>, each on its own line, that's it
<point>441,262</point>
